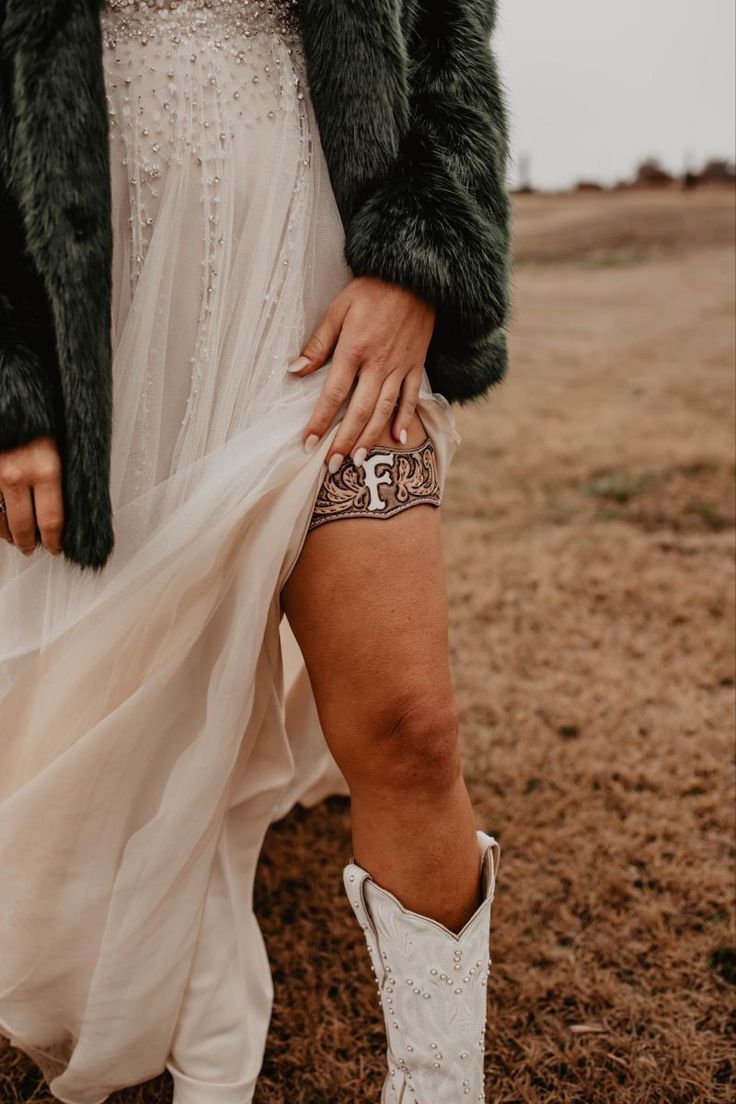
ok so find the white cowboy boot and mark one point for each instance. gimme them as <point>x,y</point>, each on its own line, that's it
<point>432,986</point>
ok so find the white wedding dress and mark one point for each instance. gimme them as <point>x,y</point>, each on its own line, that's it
<point>156,717</point>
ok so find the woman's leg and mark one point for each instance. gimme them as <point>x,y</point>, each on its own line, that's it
<point>367,604</point>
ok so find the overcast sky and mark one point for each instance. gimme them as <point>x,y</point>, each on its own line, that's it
<point>596,85</point>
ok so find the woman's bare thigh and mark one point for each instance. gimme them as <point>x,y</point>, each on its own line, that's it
<point>367,604</point>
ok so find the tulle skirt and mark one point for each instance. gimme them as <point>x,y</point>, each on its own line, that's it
<point>156,718</point>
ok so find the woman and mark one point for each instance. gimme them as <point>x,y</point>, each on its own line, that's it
<point>253,249</point>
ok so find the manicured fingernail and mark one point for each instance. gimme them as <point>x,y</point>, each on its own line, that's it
<point>311,442</point>
<point>360,456</point>
<point>297,365</point>
<point>336,461</point>
<point>403,436</point>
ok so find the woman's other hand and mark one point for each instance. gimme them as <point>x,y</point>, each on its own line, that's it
<point>378,335</point>
<point>30,483</point>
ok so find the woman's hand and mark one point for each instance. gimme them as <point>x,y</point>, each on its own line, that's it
<point>378,335</point>
<point>30,483</point>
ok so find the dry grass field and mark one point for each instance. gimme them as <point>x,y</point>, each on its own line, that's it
<point>589,536</point>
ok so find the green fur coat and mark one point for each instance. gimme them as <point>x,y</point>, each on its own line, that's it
<point>413,123</point>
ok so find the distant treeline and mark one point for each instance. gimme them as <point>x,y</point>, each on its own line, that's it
<point>650,173</point>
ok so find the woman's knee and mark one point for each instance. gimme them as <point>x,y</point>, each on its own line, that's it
<point>410,743</point>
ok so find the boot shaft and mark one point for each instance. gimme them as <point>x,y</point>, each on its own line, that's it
<point>432,985</point>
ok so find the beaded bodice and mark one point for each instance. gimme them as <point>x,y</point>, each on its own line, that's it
<point>201,94</point>
<point>229,18</point>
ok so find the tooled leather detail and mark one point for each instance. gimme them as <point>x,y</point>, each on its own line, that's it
<point>387,482</point>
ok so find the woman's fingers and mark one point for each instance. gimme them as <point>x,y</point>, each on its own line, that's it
<point>361,410</point>
<point>20,516</point>
<point>372,327</point>
<point>49,508</point>
<point>407,404</point>
<point>383,408</point>
<point>343,370</point>
<point>30,483</point>
<point>323,341</point>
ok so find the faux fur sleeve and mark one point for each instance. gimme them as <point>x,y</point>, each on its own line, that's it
<point>29,394</point>
<point>26,402</point>
<point>439,220</point>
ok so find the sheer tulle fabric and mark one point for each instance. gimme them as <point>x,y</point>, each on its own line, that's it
<point>156,717</point>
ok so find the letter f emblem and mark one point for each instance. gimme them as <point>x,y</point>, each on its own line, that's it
<point>373,481</point>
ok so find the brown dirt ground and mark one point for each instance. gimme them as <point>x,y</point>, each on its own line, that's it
<point>589,534</point>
